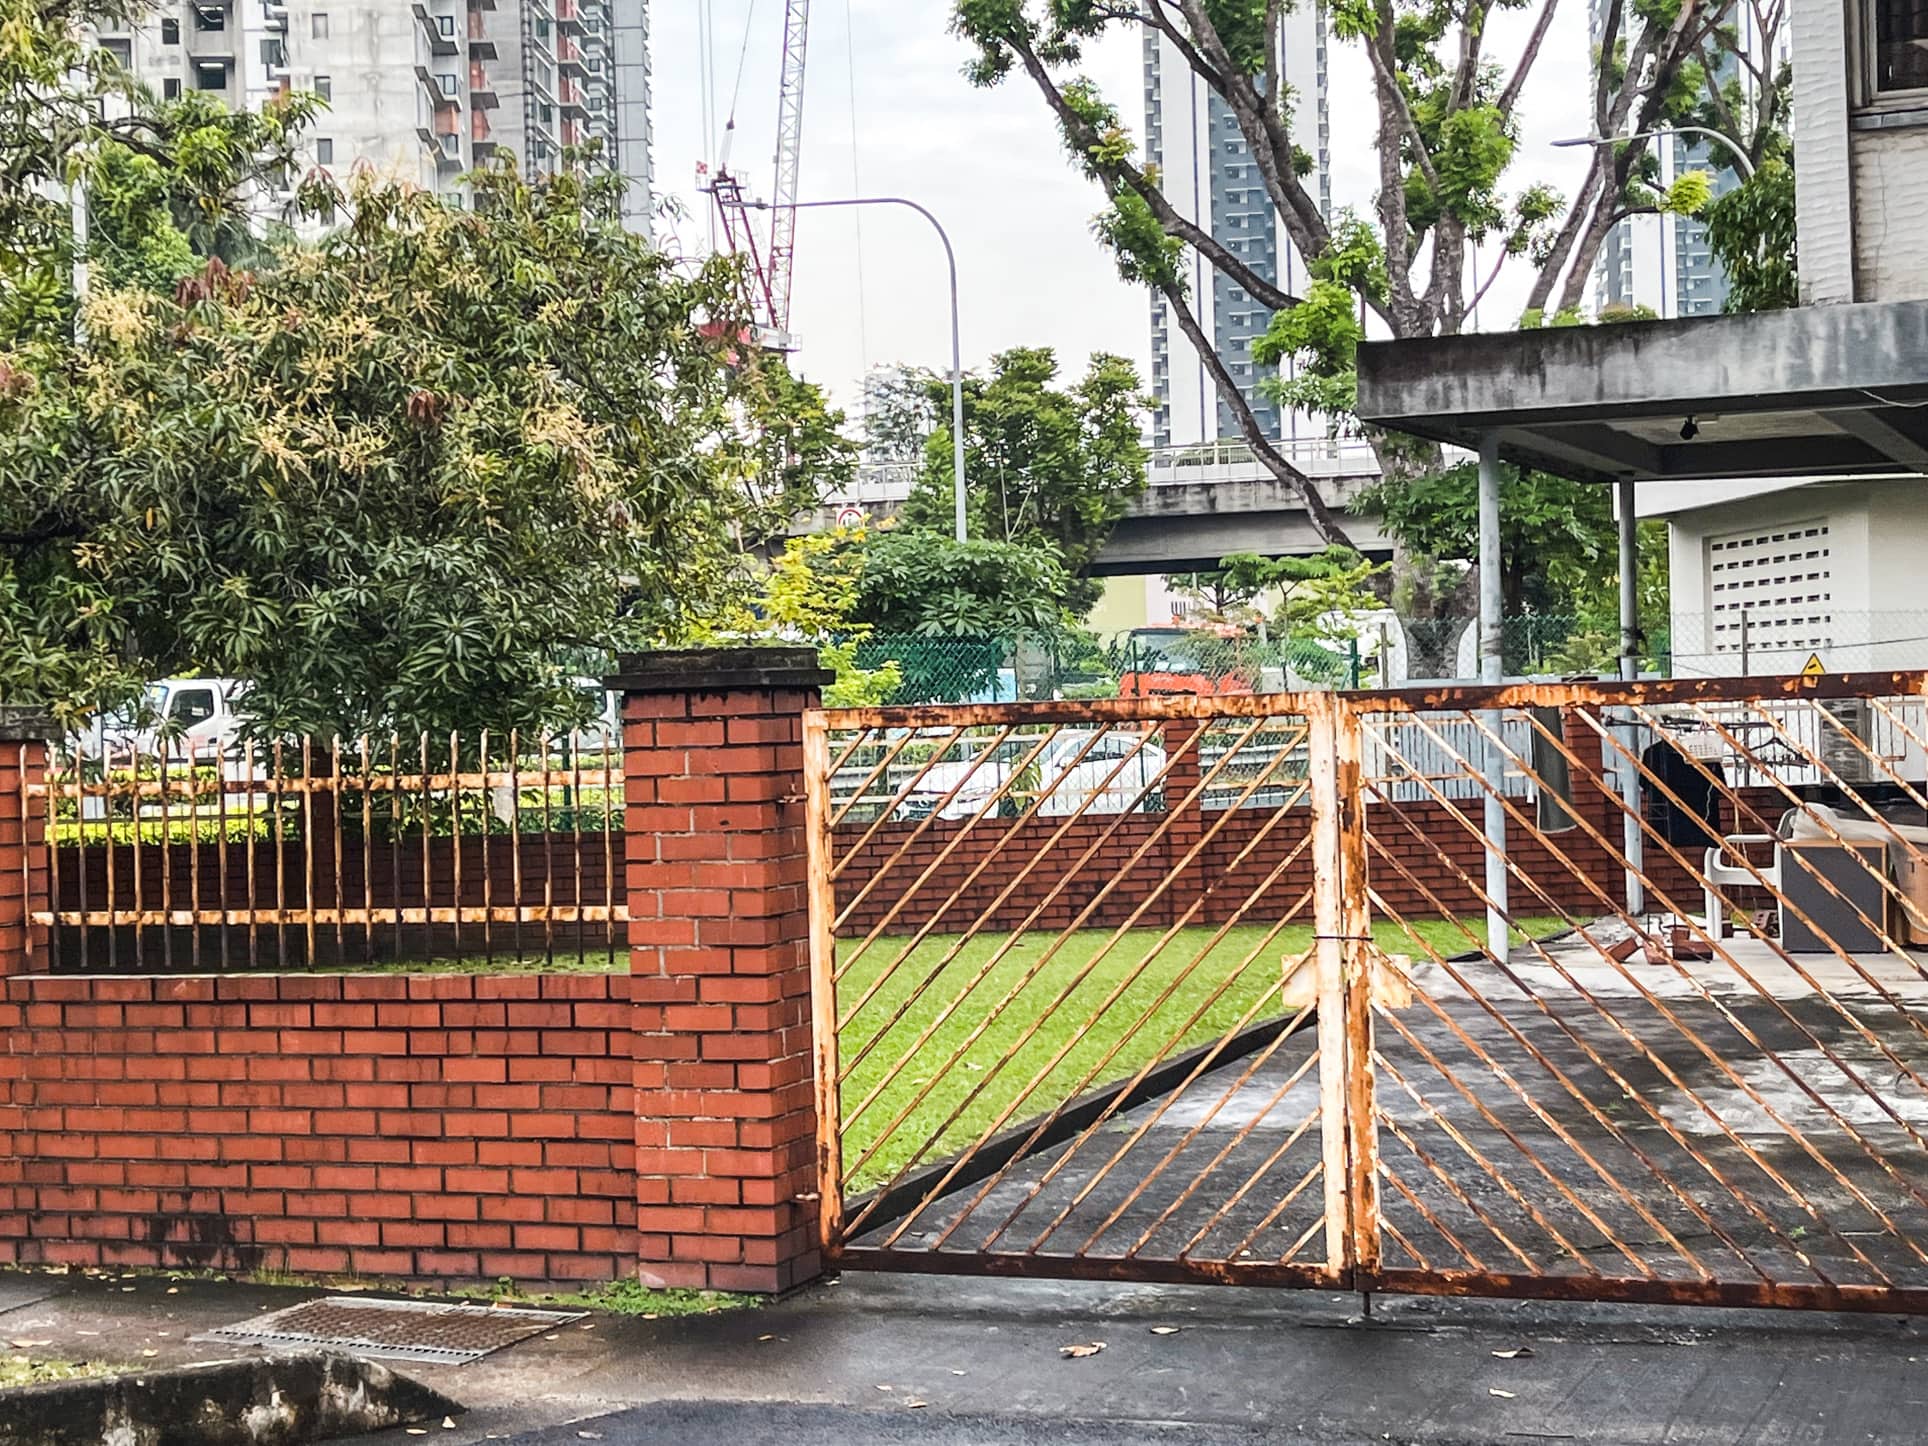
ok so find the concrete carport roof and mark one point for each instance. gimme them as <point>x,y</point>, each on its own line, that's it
<point>1813,391</point>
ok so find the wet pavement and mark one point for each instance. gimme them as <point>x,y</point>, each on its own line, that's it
<point>1724,1127</point>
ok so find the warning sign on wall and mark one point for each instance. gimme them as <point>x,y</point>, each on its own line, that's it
<point>1812,668</point>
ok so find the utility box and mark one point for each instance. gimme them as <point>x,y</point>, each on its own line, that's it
<point>1849,919</point>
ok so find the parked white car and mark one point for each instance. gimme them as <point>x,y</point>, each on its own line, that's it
<point>1081,771</point>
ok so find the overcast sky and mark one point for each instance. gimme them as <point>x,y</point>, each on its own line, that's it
<point>888,111</point>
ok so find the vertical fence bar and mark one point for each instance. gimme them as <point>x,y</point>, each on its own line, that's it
<point>575,844</point>
<point>252,863</point>
<point>367,852</point>
<point>823,989</point>
<point>80,843</point>
<point>515,836</point>
<point>221,848</point>
<point>548,859</point>
<point>309,877</point>
<point>428,867</point>
<point>194,853</point>
<point>335,901</point>
<point>455,832</point>
<point>167,855</point>
<point>488,873</point>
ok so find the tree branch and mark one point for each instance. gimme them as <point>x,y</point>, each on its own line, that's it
<point>1262,290</point>
<point>1510,94</point>
<point>1323,520</point>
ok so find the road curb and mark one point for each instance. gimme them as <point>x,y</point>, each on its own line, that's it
<point>264,1401</point>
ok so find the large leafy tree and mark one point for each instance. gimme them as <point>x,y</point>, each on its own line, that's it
<point>161,180</point>
<point>1447,105</point>
<point>400,478</point>
<point>1047,466</point>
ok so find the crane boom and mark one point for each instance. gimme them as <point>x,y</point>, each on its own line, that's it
<point>783,198</point>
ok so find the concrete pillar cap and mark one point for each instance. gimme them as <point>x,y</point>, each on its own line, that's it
<point>719,670</point>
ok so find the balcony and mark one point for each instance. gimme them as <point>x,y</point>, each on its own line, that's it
<point>482,94</point>
<point>481,47</point>
<point>438,42</point>
<point>432,88</point>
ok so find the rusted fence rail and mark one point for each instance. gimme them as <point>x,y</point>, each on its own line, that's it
<point>481,850</point>
<point>1260,989</point>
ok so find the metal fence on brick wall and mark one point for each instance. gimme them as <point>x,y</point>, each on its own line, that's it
<point>473,850</point>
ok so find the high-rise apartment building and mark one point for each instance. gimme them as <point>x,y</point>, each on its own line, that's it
<point>1665,262</point>
<point>1209,174</point>
<point>421,89</point>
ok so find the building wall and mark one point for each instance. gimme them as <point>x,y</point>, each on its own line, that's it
<point>1878,590</point>
<point>1890,177</point>
<point>424,90</point>
<point>1862,158</point>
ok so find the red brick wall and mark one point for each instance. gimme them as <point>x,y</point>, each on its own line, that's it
<point>719,935</point>
<point>430,1126</point>
<point>1425,860</point>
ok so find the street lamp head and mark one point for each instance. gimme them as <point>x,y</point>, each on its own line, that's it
<point>1583,141</point>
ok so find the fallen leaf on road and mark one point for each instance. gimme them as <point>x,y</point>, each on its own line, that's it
<point>1496,1391</point>
<point>770,1337</point>
<point>957,1373</point>
<point>150,1353</point>
<point>448,1423</point>
<point>1079,1352</point>
<point>28,1345</point>
<point>174,1290</point>
<point>418,1430</point>
<point>1164,1330</point>
<point>590,1435</point>
<point>1517,1353</point>
<point>884,1388</point>
<point>916,1405</point>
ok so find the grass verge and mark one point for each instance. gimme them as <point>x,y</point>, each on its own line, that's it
<point>961,1037</point>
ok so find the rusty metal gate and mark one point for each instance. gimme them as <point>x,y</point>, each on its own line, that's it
<point>1593,991</point>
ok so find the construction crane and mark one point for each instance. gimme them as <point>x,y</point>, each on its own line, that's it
<point>769,252</point>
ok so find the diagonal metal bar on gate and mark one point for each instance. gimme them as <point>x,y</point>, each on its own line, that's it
<point>990,804</point>
<point>1172,873</point>
<point>988,912</point>
<point>988,751</point>
<point>1210,1168</point>
<point>929,926</point>
<point>1175,1036</point>
<point>1440,1227</point>
<point>1742,973</point>
<point>1156,836</point>
<point>1794,1076</point>
<point>1277,814</point>
<point>1539,1112</point>
<point>1712,1056</point>
<point>1452,1132</point>
<point>893,750</point>
<point>858,737</point>
<point>1875,926</point>
<point>1253,895</point>
<point>1146,1180</point>
<point>997,797</point>
<point>1271,1217</point>
<point>1236,1198</point>
<point>1406,1245</point>
<point>1600,1062</point>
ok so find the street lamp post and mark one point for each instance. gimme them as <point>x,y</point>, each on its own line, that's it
<point>957,332</point>
<point>1746,165</point>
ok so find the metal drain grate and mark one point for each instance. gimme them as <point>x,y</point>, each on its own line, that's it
<point>396,1330</point>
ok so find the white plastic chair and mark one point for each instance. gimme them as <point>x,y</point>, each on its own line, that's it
<point>1716,874</point>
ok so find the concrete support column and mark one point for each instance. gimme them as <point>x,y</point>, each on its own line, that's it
<point>25,883</point>
<point>1630,672</point>
<point>1492,670</point>
<point>719,957</point>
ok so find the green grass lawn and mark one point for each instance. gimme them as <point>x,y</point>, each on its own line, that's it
<point>1163,1004</point>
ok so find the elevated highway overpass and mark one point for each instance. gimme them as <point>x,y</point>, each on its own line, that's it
<point>1202,502</point>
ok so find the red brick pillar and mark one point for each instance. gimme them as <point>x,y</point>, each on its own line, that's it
<point>24,881</point>
<point>719,953</point>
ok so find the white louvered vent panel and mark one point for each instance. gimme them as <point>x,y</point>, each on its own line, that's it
<point>1781,580</point>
